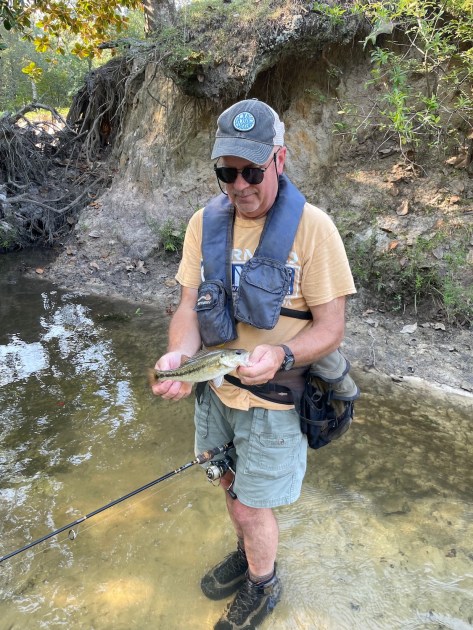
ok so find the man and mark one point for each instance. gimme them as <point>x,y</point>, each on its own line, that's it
<point>287,312</point>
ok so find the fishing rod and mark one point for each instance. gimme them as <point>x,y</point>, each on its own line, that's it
<point>201,458</point>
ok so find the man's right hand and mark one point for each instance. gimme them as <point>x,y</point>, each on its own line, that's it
<point>170,390</point>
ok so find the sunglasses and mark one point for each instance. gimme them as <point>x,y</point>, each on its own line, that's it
<point>251,174</point>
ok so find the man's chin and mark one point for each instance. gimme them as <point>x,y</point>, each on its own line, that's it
<point>248,208</point>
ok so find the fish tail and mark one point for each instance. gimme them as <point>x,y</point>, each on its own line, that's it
<point>152,376</point>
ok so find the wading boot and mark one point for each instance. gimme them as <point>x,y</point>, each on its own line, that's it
<point>226,577</point>
<point>251,605</point>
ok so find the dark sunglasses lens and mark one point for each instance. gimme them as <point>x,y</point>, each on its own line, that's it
<point>252,175</point>
<point>226,174</point>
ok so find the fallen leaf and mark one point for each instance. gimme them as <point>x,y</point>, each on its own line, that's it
<point>409,329</point>
<point>403,208</point>
<point>384,153</point>
<point>458,161</point>
<point>393,245</point>
<point>140,266</point>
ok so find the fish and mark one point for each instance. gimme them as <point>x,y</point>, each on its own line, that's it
<point>205,366</point>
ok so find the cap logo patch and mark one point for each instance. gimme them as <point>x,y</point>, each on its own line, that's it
<point>244,121</point>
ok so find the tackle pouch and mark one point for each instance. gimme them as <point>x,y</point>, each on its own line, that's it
<point>265,282</point>
<point>213,309</point>
<point>326,407</point>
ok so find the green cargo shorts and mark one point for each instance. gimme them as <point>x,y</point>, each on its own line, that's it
<point>270,452</point>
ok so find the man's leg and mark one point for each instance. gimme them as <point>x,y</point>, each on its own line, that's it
<point>270,462</point>
<point>259,530</point>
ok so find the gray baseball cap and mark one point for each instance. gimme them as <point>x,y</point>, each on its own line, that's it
<point>249,129</point>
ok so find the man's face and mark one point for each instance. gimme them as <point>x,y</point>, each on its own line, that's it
<point>253,201</point>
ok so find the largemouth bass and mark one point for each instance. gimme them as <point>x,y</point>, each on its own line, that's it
<point>205,366</point>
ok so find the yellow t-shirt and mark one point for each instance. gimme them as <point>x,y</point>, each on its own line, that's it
<point>320,273</point>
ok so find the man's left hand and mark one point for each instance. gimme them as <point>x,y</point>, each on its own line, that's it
<point>265,361</point>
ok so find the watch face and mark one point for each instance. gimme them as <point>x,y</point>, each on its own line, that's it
<point>288,361</point>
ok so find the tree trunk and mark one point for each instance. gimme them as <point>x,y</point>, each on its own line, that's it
<point>158,14</point>
<point>34,90</point>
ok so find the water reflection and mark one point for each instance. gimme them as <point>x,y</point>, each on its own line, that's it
<point>381,538</point>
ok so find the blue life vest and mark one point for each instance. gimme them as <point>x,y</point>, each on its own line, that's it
<point>264,279</point>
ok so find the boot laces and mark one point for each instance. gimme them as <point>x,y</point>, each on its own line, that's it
<point>246,601</point>
<point>234,564</point>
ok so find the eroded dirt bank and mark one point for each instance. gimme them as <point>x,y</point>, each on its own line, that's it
<point>379,202</point>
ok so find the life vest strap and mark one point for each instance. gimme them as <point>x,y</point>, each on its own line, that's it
<point>291,312</point>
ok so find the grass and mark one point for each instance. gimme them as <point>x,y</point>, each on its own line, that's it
<point>172,236</point>
<point>410,277</point>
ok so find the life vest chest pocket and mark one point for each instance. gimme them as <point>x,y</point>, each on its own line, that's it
<point>264,283</point>
<point>216,323</point>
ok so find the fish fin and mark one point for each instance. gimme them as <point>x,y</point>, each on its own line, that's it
<point>198,355</point>
<point>218,380</point>
<point>203,352</point>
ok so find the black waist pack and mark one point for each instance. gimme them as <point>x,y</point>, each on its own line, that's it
<point>326,406</point>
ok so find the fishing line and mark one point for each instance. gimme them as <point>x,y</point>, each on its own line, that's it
<point>82,528</point>
<point>201,458</point>
<point>86,525</point>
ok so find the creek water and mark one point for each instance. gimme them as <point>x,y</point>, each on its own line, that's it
<point>381,538</point>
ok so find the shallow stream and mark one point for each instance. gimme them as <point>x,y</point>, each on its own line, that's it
<point>382,537</point>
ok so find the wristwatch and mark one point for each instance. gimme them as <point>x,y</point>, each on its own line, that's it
<point>288,360</point>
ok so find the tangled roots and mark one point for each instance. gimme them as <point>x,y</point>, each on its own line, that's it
<point>50,170</point>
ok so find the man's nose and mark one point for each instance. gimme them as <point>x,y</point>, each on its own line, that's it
<point>240,183</point>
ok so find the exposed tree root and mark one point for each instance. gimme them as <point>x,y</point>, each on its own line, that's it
<point>50,170</point>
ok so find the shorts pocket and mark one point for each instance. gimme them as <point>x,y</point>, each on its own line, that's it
<point>273,451</point>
